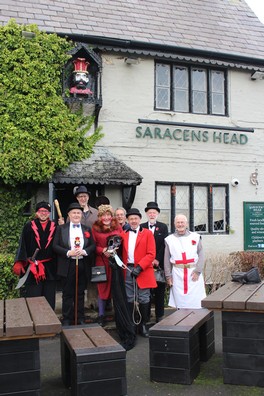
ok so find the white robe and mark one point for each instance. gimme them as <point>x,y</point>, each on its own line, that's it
<point>185,293</point>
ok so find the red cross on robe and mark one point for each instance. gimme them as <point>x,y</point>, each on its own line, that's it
<point>185,270</point>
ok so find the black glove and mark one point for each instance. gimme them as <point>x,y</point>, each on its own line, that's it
<point>136,271</point>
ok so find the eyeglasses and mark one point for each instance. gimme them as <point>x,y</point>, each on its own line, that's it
<point>43,211</point>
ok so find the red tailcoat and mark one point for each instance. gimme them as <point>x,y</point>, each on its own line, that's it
<point>144,254</point>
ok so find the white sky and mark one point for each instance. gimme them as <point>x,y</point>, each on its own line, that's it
<point>258,7</point>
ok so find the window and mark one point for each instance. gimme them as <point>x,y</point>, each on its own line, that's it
<point>204,205</point>
<point>190,89</point>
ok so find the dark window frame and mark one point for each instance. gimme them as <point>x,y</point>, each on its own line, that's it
<point>209,92</point>
<point>210,207</point>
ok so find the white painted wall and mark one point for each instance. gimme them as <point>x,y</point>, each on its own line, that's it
<point>128,94</point>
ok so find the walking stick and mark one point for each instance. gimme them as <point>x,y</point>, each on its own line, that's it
<point>76,244</point>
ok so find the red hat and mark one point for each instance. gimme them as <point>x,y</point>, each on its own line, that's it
<point>80,65</point>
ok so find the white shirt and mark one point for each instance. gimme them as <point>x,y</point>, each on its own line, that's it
<point>152,229</point>
<point>132,237</point>
<point>76,232</point>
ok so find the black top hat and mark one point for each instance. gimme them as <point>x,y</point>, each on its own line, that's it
<point>80,190</point>
<point>74,205</point>
<point>43,204</point>
<point>152,205</point>
<point>133,211</point>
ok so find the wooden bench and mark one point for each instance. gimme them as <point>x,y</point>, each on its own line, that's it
<point>242,309</point>
<point>22,323</point>
<point>178,343</point>
<point>92,362</point>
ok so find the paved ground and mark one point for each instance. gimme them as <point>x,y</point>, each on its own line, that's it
<point>208,383</point>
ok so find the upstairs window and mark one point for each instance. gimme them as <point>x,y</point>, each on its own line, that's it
<point>190,89</point>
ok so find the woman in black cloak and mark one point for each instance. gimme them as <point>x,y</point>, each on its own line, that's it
<point>123,318</point>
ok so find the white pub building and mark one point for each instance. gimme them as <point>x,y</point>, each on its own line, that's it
<point>178,87</point>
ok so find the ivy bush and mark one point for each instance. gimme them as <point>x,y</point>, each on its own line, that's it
<point>12,203</point>
<point>8,280</point>
<point>38,132</point>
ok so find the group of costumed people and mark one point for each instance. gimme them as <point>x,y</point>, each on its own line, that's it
<point>128,255</point>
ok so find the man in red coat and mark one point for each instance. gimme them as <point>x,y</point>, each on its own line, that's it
<point>139,251</point>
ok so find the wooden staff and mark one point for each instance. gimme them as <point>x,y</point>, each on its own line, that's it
<point>57,205</point>
<point>76,244</point>
<point>76,293</point>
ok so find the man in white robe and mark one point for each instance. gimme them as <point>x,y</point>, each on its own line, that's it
<point>183,265</point>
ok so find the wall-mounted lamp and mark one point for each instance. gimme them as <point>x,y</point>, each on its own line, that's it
<point>132,61</point>
<point>28,35</point>
<point>257,75</point>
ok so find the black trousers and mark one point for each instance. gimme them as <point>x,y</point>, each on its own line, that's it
<point>158,295</point>
<point>68,292</point>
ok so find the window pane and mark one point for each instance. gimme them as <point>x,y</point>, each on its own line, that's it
<point>219,213</point>
<point>181,89</point>
<point>163,86</point>
<point>182,201</point>
<point>164,203</point>
<point>218,104</point>
<point>218,92</point>
<point>163,98</point>
<point>199,102</point>
<point>199,91</point>
<point>200,200</point>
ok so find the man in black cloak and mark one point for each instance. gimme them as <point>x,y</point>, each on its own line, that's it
<point>38,234</point>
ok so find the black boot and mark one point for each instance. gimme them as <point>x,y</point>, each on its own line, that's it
<point>144,310</point>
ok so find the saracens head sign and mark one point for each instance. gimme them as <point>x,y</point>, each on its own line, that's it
<point>191,135</point>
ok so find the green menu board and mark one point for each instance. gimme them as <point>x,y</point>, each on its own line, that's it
<point>254,226</point>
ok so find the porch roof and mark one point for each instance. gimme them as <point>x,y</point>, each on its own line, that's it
<point>101,168</point>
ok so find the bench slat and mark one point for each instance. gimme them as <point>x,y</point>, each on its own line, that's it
<point>100,337</point>
<point>215,300</point>
<point>18,320</point>
<point>256,301</point>
<point>175,317</point>
<point>44,318</point>
<point>238,299</point>
<point>182,322</point>
<point>77,339</point>
<point>1,318</point>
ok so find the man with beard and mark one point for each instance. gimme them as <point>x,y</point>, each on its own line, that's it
<point>38,234</point>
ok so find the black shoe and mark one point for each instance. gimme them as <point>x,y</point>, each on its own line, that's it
<point>158,319</point>
<point>143,331</point>
<point>101,320</point>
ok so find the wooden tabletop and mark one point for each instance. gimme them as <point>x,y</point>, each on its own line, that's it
<point>27,318</point>
<point>236,297</point>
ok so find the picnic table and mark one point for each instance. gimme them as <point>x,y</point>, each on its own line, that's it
<point>242,308</point>
<point>23,321</point>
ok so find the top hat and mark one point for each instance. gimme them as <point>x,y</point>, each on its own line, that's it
<point>43,204</point>
<point>152,205</point>
<point>80,190</point>
<point>133,211</point>
<point>74,205</point>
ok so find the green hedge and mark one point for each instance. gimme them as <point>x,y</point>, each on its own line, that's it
<point>8,280</point>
